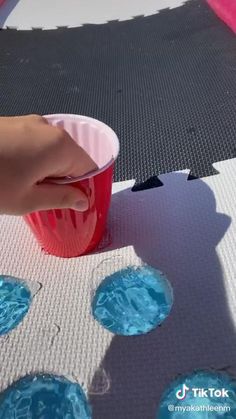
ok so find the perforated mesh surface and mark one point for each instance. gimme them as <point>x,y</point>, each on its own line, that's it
<point>165,83</point>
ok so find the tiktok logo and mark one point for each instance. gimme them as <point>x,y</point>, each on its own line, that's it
<point>182,393</point>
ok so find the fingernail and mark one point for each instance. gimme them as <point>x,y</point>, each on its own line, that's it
<point>81,206</point>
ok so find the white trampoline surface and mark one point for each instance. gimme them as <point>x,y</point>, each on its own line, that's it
<point>28,14</point>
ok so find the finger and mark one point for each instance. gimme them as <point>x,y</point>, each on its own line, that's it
<point>32,118</point>
<point>44,197</point>
<point>37,119</point>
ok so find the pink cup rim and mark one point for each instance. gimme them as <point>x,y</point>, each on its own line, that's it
<point>108,130</point>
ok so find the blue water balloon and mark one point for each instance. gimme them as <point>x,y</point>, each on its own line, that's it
<point>44,397</point>
<point>200,395</point>
<point>15,300</point>
<point>133,301</point>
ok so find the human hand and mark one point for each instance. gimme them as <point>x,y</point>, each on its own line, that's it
<point>30,151</point>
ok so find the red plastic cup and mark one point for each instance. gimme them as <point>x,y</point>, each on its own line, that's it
<point>67,232</point>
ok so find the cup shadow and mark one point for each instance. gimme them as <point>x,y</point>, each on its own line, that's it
<point>176,229</point>
<point>6,9</point>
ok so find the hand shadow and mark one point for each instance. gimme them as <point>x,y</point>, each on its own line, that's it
<point>6,9</point>
<point>175,228</point>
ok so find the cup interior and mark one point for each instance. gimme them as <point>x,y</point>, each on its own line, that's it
<point>95,137</point>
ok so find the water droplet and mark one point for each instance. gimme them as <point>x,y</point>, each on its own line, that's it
<point>133,301</point>
<point>200,394</point>
<point>101,382</point>
<point>15,300</point>
<point>44,396</point>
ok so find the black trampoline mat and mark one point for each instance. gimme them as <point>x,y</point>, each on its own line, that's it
<point>165,83</point>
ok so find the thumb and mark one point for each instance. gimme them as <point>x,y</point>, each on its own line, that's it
<point>48,196</point>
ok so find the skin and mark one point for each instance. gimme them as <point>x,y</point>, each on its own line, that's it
<point>30,151</point>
